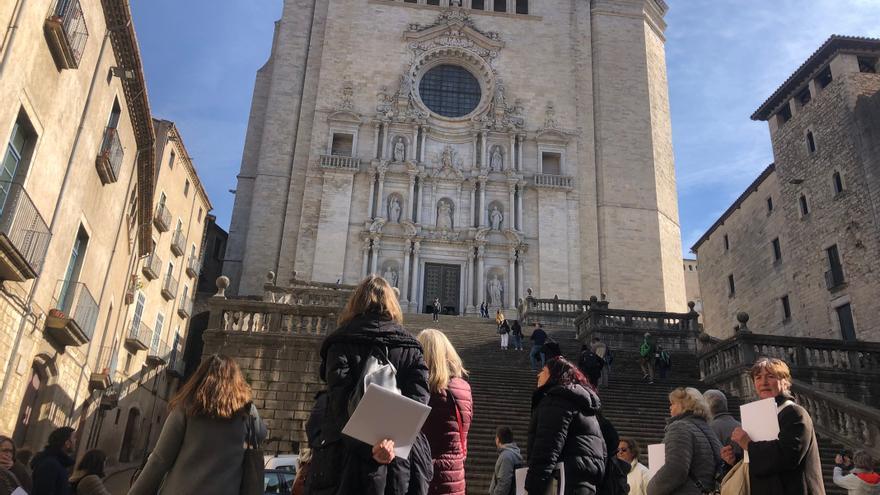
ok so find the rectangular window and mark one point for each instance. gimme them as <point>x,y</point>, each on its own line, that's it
<point>824,78</point>
<point>868,65</point>
<point>500,6</point>
<point>838,183</point>
<point>113,121</point>
<point>522,6</point>
<point>551,163</point>
<point>342,145</point>
<point>433,2</point>
<point>784,113</point>
<point>186,188</point>
<point>730,285</point>
<point>157,332</point>
<point>811,142</point>
<point>200,214</point>
<point>786,308</point>
<point>769,205</point>
<point>74,267</point>
<point>804,206</point>
<point>777,251</point>
<point>162,199</point>
<point>16,160</point>
<point>804,96</point>
<point>132,207</point>
<point>726,243</point>
<point>834,275</point>
<point>478,5</point>
<point>171,160</point>
<point>845,319</point>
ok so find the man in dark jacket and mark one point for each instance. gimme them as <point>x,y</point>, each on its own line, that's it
<point>539,336</point>
<point>509,459</point>
<point>51,467</point>
<point>722,423</point>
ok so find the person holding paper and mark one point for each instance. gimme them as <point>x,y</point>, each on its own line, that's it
<point>452,409</point>
<point>371,322</point>
<point>564,429</point>
<point>722,423</point>
<point>638,476</point>
<point>692,449</point>
<point>790,464</point>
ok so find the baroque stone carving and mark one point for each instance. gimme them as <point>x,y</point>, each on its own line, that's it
<point>390,275</point>
<point>394,209</point>
<point>496,291</point>
<point>399,149</point>
<point>495,218</point>
<point>444,215</point>
<point>550,121</point>
<point>345,100</point>
<point>501,116</point>
<point>496,164</point>
<point>383,103</point>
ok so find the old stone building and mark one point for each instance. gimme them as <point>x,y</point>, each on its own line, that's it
<point>692,283</point>
<point>799,251</point>
<point>466,152</point>
<point>80,176</point>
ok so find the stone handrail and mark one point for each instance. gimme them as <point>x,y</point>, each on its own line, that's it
<point>548,180</point>
<point>341,162</point>
<point>335,296</point>
<point>621,328</point>
<point>844,420</point>
<point>249,316</point>
<point>555,311</point>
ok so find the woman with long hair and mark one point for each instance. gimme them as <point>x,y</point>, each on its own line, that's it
<point>88,477</point>
<point>692,448</point>
<point>10,462</point>
<point>202,445</point>
<point>371,324</point>
<point>452,409</point>
<point>564,428</point>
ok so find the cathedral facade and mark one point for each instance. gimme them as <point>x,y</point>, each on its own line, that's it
<point>469,151</point>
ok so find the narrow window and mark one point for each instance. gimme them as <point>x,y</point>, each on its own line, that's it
<point>478,5</point>
<point>847,326</point>
<point>811,143</point>
<point>769,205</point>
<point>805,208</point>
<point>730,285</point>
<point>824,78</point>
<point>838,183</point>
<point>136,320</point>
<point>500,6</point>
<point>132,207</point>
<point>786,309</point>
<point>162,199</point>
<point>342,144</point>
<point>17,158</point>
<point>777,250</point>
<point>804,96</point>
<point>522,6</point>
<point>186,188</point>
<point>868,65</point>
<point>71,275</point>
<point>433,2</point>
<point>157,332</point>
<point>784,113</point>
<point>200,214</point>
<point>726,243</point>
<point>171,160</point>
<point>691,268</point>
<point>834,275</point>
<point>410,1</point>
<point>551,163</point>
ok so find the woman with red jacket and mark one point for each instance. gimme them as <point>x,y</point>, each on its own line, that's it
<point>451,412</point>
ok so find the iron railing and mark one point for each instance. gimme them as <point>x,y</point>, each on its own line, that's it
<point>169,287</point>
<point>185,308</point>
<point>162,218</point>
<point>76,302</point>
<point>23,225</point>
<point>152,266</point>
<point>193,266</point>
<point>178,242</point>
<point>139,335</point>
<point>66,26</point>
<point>109,160</point>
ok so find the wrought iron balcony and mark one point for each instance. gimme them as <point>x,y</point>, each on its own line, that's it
<point>176,365</point>
<point>101,376</point>
<point>193,266</point>
<point>152,266</point>
<point>24,235</point>
<point>109,159</point>
<point>162,220</point>
<point>72,320</point>
<point>185,307</point>
<point>158,353</point>
<point>169,287</point>
<point>138,338</point>
<point>66,33</point>
<point>178,242</point>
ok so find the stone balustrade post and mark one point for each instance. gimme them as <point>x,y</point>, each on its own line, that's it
<point>511,279</point>
<point>374,263</point>
<point>380,200</point>
<point>481,287</point>
<point>404,286</point>
<point>416,286</point>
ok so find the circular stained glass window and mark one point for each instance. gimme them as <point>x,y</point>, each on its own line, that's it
<point>450,91</point>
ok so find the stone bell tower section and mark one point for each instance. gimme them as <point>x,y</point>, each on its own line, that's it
<point>639,233</point>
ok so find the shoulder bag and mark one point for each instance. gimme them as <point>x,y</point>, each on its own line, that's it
<point>252,464</point>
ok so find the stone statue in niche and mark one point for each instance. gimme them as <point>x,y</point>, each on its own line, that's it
<point>446,157</point>
<point>390,275</point>
<point>495,218</point>
<point>394,210</point>
<point>444,215</point>
<point>496,164</point>
<point>495,289</point>
<point>399,150</point>
<point>550,121</point>
<point>383,103</point>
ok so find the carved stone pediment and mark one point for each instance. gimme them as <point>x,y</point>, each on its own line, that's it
<point>347,116</point>
<point>375,226</point>
<point>454,28</point>
<point>447,165</point>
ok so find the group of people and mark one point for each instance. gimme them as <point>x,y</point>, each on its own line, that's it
<point>202,447</point>
<point>510,331</point>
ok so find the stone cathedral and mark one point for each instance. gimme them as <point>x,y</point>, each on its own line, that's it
<point>466,150</point>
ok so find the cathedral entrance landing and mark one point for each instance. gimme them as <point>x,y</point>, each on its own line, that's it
<point>442,282</point>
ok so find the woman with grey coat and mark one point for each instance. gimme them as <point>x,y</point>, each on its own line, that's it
<point>693,452</point>
<point>202,444</point>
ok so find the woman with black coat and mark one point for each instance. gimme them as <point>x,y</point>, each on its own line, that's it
<point>370,324</point>
<point>564,428</point>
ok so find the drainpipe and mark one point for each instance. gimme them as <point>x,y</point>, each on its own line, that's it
<point>11,30</point>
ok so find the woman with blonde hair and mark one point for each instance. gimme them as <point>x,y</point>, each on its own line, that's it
<point>202,444</point>
<point>693,451</point>
<point>371,324</point>
<point>452,409</point>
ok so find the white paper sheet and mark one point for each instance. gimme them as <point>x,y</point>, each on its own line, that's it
<point>656,458</point>
<point>383,414</point>
<point>520,478</point>
<point>760,421</point>
<point>19,491</point>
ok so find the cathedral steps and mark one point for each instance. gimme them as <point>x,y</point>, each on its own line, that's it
<point>502,384</point>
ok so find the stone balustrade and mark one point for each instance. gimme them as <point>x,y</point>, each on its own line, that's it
<point>555,181</point>
<point>553,312</point>
<point>625,329</point>
<point>340,162</point>
<point>844,420</point>
<point>248,316</point>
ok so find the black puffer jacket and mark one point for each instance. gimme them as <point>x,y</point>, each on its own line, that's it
<point>564,428</point>
<point>343,465</point>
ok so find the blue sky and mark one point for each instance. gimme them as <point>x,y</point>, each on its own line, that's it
<point>724,58</point>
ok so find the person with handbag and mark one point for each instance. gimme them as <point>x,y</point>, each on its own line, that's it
<point>452,409</point>
<point>789,465</point>
<point>504,332</point>
<point>370,326</point>
<point>204,446</point>
<point>88,477</point>
<point>693,452</point>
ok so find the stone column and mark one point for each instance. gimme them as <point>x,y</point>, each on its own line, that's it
<point>469,285</point>
<point>412,148</point>
<point>376,141</point>
<point>374,263</point>
<point>372,205</point>
<point>410,201</point>
<point>520,274</point>
<point>380,207</point>
<point>422,148</point>
<point>473,207</point>
<point>458,209</point>
<point>519,159</point>
<point>432,203</point>
<point>421,208</point>
<point>483,162</point>
<point>474,150</point>
<point>510,216</point>
<point>365,270</point>
<point>482,211</point>
<point>481,283</point>
<point>511,161</point>
<point>511,279</point>
<point>519,206</point>
<point>404,286</point>
<point>414,301</point>
<point>386,153</point>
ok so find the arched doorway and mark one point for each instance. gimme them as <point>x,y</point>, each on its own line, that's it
<point>129,439</point>
<point>29,411</point>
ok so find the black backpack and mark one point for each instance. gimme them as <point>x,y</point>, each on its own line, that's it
<point>614,482</point>
<point>591,361</point>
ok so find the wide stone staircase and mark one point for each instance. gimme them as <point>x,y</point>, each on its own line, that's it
<point>502,383</point>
